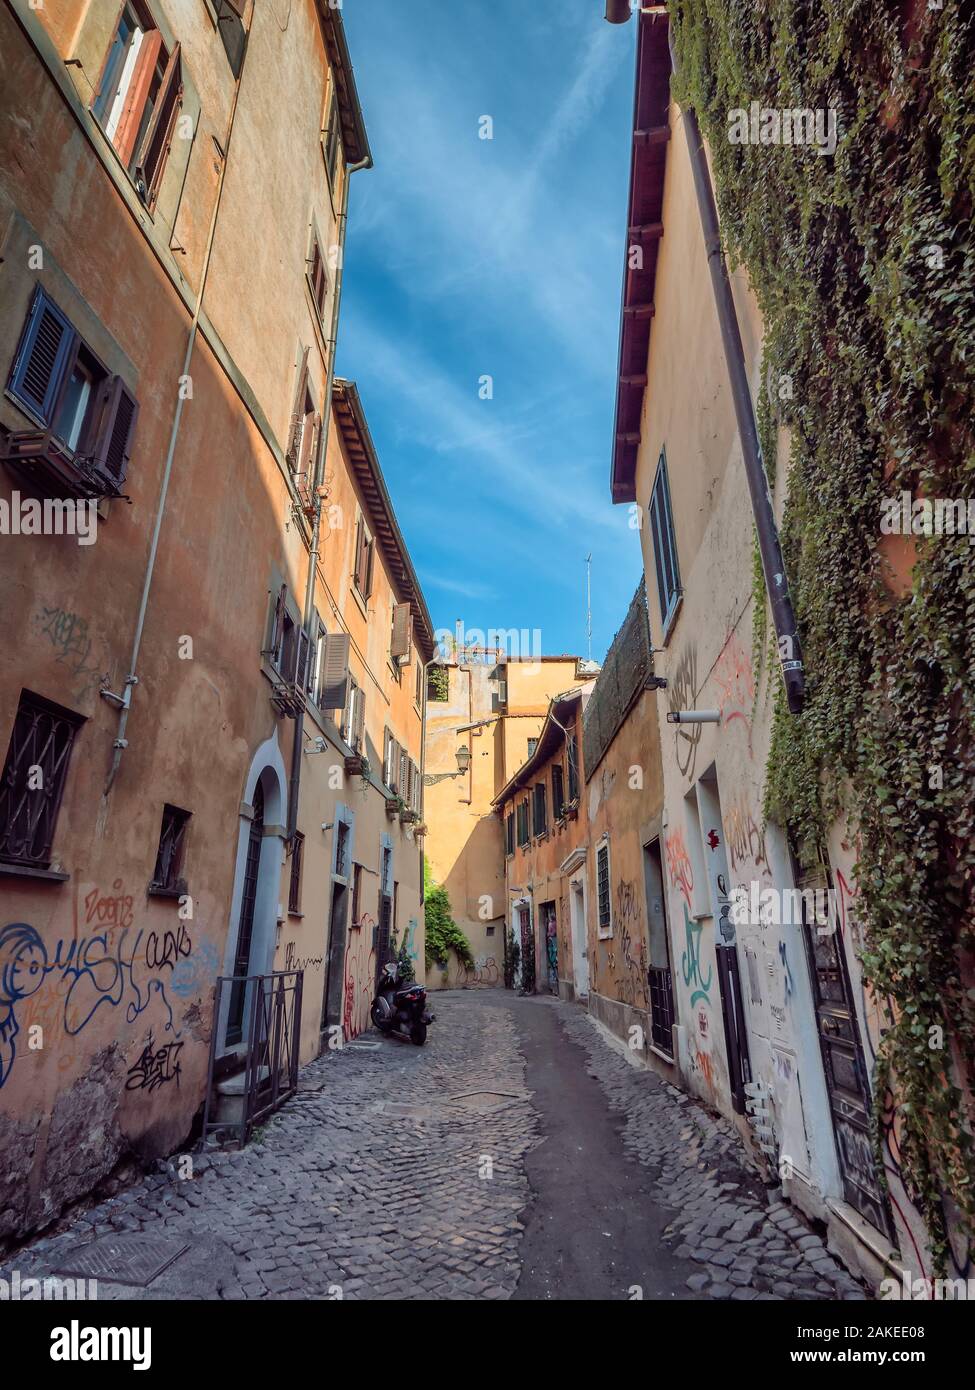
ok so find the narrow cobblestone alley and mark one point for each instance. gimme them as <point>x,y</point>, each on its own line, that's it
<point>517,1155</point>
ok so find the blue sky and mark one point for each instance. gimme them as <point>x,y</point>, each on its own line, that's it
<point>469,257</point>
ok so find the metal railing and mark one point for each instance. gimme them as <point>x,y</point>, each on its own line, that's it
<point>271,1041</point>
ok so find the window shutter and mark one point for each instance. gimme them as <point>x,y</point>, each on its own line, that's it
<point>335,671</point>
<point>276,631</point>
<point>370,547</point>
<point>359,722</point>
<point>400,645</point>
<point>297,411</point>
<point>113,444</point>
<point>301,658</point>
<point>357,559</point>
<point>146,61</point>
<point>159,136</point>
<point>46,341</point>
<point>238,7</point>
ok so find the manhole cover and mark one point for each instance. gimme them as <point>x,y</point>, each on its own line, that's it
<point>484,1100</point>
<point>123,1259</point>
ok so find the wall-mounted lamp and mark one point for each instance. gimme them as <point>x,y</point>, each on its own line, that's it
<point>463,758</point>
<point>694,716</point>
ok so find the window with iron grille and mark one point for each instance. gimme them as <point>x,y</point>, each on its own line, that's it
<point>33,779</point>
<point>603,897</point>
<point>341,849</point>
<point>572,749</point>
<point>664,545</point>
<point>168,874</point>
<point>356,894</point>
<point>558,791</point>
<point>294,883</point>
<point>541,809</point>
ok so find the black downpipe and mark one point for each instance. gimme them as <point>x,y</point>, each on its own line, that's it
<point>773,566</point>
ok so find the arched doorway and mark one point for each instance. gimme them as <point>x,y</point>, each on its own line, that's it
<point>252,922</point>
<point>245,924</point>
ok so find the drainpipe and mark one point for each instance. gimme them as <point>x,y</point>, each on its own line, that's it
<point>123,701</point>
<point>294,781</point>
<point>773,566</point>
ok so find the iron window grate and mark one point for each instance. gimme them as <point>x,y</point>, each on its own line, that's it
<point>34,774</point>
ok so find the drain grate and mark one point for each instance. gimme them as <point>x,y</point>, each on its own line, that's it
<point>123,1259</point>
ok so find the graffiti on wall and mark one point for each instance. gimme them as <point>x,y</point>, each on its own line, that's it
<point>681,694</point>
<point>115,966</point>
<point>69,635</point>
<point>484,971</point>
<point>746,839</point>
<point>359,980</point>
<point>155,1067</point>
<point>679,864</point>
<point>690,962</point>
<point>735,683</point>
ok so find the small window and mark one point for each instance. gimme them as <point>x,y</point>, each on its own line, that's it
<point>509,833</point>
<point>572,749</point>
<point>139,96</point>
<point>532,745</point>
<point>33,780</point>
<point>318,277</point>
<point>59,382</point>
<point>419,679</point>
<point>558,791</point>
<point>332,137</point>
<point>342,849</point>
<point>523,827</point>
<point>364,546</point>
<point>168,874</point>
<point>438,684</point>
<point>664,546</point>
<point>603,896</point>
<point>356,894</point>
<point>294,882</point>
<point>541,809</point>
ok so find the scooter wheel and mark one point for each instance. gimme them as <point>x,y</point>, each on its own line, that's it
<point>418,1034</point>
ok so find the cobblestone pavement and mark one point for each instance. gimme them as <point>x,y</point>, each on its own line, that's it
<point>403,1172</point>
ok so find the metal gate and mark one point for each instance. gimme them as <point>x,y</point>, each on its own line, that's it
<point>550,927</point>
<point>273,1033</point>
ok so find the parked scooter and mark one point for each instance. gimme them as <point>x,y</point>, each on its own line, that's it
<point>400,1006</point>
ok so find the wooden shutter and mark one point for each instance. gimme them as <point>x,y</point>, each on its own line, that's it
<point>360,532</point>
<point>302,648</point>
<point>369,548</point>
<point>155,147</point>
<point>276,632</point>
<point>45,344</point>
<point>238,7</point>
<point>335,671</point>
<point>147,59</point>
<point>113,443</point>
<point>298,410</point>
<point>400,645</point>
<point>359,718</point>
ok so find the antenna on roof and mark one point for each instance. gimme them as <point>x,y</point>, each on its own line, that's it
<point>589,606</point>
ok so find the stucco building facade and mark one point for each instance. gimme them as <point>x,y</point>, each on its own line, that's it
<point>212,718</point>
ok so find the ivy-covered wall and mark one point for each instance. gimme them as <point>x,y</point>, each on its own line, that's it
<point>861,261</point>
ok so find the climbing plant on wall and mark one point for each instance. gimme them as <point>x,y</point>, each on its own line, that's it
<point>862,263</point>
<point>442,932</point>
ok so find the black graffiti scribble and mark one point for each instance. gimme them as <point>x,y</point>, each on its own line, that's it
<point>68,634</point>
<point>167,949</point>
<point>155,1067</point>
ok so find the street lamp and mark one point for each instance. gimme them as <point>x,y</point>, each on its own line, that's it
<point>463,758</point>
